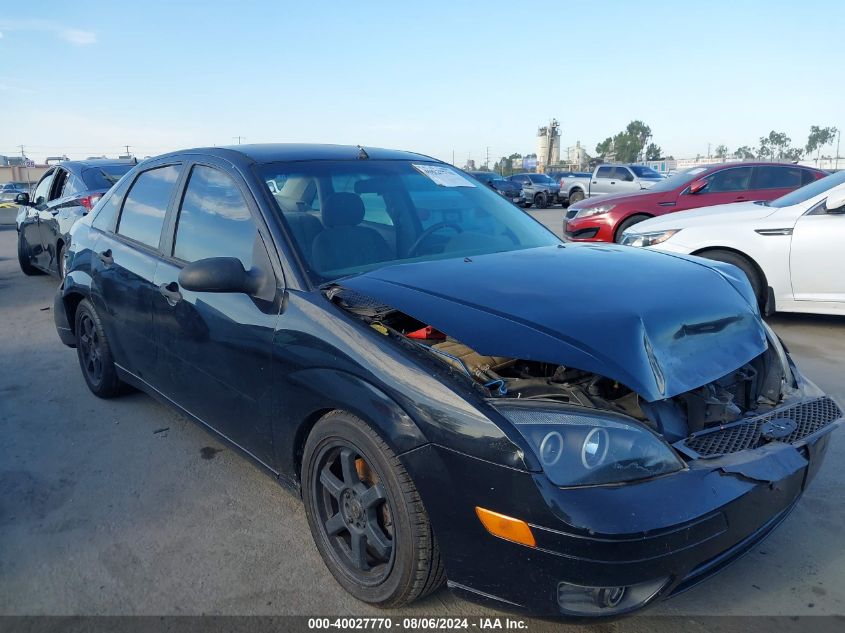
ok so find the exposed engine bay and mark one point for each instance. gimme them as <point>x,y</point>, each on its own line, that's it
<point>754,388</point>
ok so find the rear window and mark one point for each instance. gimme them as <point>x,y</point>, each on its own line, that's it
<point>103,177</point>
<point>146,203</point>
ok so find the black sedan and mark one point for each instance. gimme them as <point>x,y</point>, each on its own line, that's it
<point>64,194</point>
<point>510,190</point>
<point>375,331</point>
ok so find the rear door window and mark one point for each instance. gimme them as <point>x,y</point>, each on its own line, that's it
<point>214,219</point>
<point>146,204</point>
<point>776,177</point>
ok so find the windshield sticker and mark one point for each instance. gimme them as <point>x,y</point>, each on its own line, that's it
<point>443,176</point>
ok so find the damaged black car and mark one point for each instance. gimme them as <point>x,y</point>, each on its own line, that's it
<point>457,396</point>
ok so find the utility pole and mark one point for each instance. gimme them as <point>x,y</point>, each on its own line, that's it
<point>239,138</point>
<point>487,160</point>
<point>708,150</point>
<point>127,148</point>
<point>453,157</point>
<point>836,160</point>
<point>26,163</point>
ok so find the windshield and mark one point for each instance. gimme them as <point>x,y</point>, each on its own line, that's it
<point>809,191</point>
<point>539,178</point>
<point>484,176</point>
<point>349,217</point>
<point>104,176</point>
<point>644,172</point>
<point>677,180</point>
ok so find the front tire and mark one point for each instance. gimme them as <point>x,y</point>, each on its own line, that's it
<point>745,265</point>
<point>23,259</point>
<point>94,353</point>
<point>366,516</point>
<point>60,262</point>
<point>626,224</point>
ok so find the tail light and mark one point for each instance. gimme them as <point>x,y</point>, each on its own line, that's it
<point>89,201</point>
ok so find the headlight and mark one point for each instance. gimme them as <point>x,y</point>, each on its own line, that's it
<point>647,239</point>
<point>583,448</point>
<point>590,211</point>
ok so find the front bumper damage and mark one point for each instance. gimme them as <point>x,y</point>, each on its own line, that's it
<point>664,535</point>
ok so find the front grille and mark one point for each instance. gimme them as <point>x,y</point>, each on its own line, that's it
<point>810,417</point>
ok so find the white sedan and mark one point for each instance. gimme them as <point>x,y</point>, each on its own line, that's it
<point>792,249</point>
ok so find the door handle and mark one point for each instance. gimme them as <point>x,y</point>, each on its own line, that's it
<point>106,257</point>
<point>171,292</point>
<point>740,197</point>
<point>612,182</point>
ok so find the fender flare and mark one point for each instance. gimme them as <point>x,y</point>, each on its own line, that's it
<point>323,389</point>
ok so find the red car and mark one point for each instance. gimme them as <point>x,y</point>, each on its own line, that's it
<point>605,218</point>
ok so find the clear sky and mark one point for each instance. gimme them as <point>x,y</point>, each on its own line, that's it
<point>88,77</point>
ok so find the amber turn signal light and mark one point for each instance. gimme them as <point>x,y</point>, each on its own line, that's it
<point>506,527</point>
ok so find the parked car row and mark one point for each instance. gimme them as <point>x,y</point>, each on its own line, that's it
<point>424,364</point>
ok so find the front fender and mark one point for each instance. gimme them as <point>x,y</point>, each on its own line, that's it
<point>316,391</point>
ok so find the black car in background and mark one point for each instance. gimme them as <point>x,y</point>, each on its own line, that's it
<point>538,189</point>
<point>506,188</point>
<point>64,194</point>
<point>422,363</point>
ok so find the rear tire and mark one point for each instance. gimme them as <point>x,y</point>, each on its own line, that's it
<point>366,516</point>
<point>94,353</point>
<point>576,196</point>
<point>746,266</point>
<point>626,224</point>
<point>541,201</point>
<point>23,259</point>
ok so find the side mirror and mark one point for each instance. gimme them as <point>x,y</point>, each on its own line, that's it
<point>697,186</point>
<point>22,199</point>
<point>835,202</point>
<point>218,274</point>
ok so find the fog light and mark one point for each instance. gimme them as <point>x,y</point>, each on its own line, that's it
<point>584,600</point>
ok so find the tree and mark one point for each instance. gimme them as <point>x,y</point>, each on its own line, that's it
<point>653,152</point>
<point>793,154</point>
<point>743,152</point>
<point>604,147</point>
<point>765,150</point>
<point>779,142</point>
<point>721,151</point>
<point>627,144</point>
<point>818,138</point>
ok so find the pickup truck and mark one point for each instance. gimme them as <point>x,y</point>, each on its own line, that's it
<point>609,179</point>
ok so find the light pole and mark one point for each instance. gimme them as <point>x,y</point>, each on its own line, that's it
<point>838,138</point>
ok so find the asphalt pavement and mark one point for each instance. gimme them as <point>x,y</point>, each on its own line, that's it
<point>125,507</point>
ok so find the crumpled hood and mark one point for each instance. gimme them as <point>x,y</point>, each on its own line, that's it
<point>657,323</point>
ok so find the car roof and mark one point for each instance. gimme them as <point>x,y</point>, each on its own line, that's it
<point>277,152</point>
<point>78,165</point>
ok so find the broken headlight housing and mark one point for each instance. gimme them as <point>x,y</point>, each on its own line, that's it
<point>582,448</point>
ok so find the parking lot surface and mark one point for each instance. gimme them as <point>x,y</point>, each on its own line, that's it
<point>125,507</point>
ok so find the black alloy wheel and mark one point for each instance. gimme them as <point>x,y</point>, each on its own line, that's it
<point>365,514</point>
<point>94,353</point>
<point>90,351</point>
<point>541,200</point>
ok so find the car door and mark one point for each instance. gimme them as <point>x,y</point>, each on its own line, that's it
<point>30,227</point>
<point>624,181</point>
<point>217,346</point>
<point>59,214</point>
<point>723,187</point>
<point>816,256</point>
<point>124,270</point>
<point>603,180</point>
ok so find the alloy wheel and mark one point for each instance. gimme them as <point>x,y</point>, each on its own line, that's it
<point>354,512</point>
<point>90,349</point>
